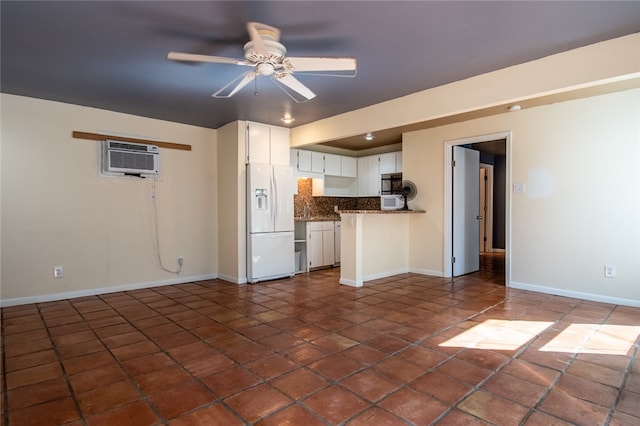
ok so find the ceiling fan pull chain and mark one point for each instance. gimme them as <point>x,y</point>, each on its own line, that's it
<point>255,85</point>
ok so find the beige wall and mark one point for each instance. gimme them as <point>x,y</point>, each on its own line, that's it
<point>56,210</point>
<point>580,162</point>
<point>231,198</point>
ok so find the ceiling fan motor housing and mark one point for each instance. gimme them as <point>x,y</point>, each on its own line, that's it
<point>276,53</point>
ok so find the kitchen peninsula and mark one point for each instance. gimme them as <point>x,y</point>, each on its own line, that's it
<point>374,244</point>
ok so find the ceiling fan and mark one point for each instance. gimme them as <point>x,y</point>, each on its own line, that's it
<point>267,57</point>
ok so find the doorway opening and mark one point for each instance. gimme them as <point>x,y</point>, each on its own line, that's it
<point>477,213</point>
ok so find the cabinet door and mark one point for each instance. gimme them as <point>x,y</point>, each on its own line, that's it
<point>280,143</point>
<point>399,162</point>
<point>314,246</point>
<point>328,248</point>
<point>348,167</point>
<point>304,160</point>
<point>293,159</point>
<point>317,162</point>
<point>258,143</point>
<point>373,177</point>
<point>332,165</point>
<point>363,170</point>
<point>388,163</point>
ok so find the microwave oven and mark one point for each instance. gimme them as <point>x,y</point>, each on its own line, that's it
<point>391,202</point>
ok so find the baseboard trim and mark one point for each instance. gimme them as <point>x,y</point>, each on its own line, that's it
<point>575,294</point>
<point>385,274</point>
<point>231,279</point>
<point>351,283</point>
<point>429,272</point>
<point>104,290</point>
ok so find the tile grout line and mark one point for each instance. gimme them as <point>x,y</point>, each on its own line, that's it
<point>61,364</point>
<point>5,388</point>
<point>625,377</point>
<point>568,365</point>
<point>130,379</point>
<point>218,399</point>
<point>143,395</point>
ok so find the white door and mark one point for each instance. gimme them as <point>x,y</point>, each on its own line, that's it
<point>314,246</point>
<point>483,210</point>
<point>304,161</point>
<point>328,244</point>
<point>283,198</point>
<point>317,162</point>
<point>259,143</point>
<point>280,143</point>
<point>271,256</point>
<point>466,201</point>
<point>387,163</point>
<point>259,198</point>
<point>349,167</point>
<point>336,237</point>
<point>373,176</point>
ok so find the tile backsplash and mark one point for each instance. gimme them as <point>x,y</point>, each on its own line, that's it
<point>324,206</point>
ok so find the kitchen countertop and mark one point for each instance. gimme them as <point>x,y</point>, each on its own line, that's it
<point>317,218</point>
<point>382,211</point>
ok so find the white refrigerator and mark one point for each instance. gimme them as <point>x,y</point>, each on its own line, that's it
<point>270,225</point>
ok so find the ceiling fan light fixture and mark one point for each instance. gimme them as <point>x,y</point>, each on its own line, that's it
<point>267,56</point>
<point>368,137</point>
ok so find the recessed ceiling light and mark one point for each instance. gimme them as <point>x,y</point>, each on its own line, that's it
<point>368,137</point>
<point>514,108</point>
<point>287,119</point>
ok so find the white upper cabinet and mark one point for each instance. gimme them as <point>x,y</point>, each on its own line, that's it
<point>304,161</point>
<point>259,143</point>
<point>267,144</point>
<point>368,176</point>
<point>332,165</point>
<point>280,143</point>
<point>399,162</point>
<point>317,162</point>
<point>349,167</point>
<point>387,163</point>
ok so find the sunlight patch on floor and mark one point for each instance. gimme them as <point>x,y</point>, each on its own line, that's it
<point>602,339</point>
<point>498,334</point>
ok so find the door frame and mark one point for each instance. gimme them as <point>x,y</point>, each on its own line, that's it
<point>448,201</point>
<point>488,214</point>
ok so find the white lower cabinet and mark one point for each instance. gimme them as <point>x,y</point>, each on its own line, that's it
<point>320,244</point>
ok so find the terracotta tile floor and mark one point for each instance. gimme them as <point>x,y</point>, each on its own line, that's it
<point>404,350</point>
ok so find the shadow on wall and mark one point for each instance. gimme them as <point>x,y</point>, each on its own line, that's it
<point>324,206</point>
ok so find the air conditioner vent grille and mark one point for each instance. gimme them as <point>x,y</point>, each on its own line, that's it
<point>129,158</point>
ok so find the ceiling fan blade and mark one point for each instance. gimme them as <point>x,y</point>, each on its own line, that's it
<point>341,67</point>
<point>235,85</point>
<point>290,82</point>
<point>257,31</point>
<point>191,57</point>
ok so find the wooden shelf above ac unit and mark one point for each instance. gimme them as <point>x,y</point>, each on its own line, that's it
<point>100,137</point>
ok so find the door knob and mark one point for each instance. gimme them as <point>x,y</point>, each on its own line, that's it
<point>479,217</point>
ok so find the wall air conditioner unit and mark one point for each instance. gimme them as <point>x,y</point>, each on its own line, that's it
<point>130,158</point>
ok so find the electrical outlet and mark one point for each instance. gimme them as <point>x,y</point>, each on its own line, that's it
<point>58,272</point>
<point>610,271</point>
<point>180,261</point>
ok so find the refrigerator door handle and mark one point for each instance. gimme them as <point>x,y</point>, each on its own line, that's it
<point>274,192</point>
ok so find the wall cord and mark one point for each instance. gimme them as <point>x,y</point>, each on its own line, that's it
<point>157,232</point>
